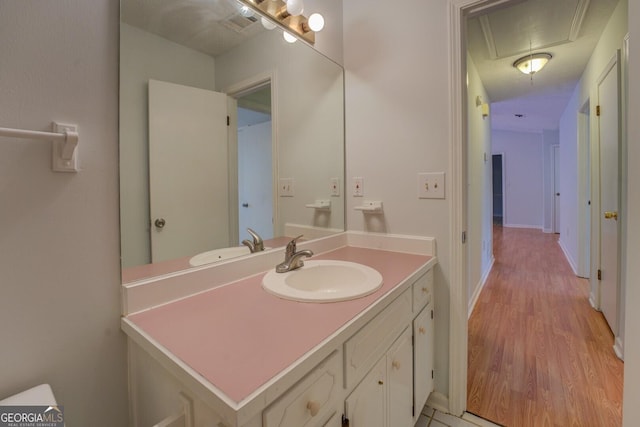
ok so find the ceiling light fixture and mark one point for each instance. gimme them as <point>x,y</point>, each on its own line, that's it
<point>532,63</point>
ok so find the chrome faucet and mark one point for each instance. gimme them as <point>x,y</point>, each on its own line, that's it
<point>257,245</point>
<point>293,259</point>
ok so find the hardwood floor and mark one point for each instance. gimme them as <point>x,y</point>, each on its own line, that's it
<point>539,355</point>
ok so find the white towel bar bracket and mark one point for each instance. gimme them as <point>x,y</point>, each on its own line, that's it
<point>65,152</point>
<point>64,148</point>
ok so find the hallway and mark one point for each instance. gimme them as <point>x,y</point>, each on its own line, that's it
<point>539,355</point>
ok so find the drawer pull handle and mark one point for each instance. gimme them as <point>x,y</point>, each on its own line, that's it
<point>422,330</point>
<point>380,382</point>
<point>395,364</point>
<point>313,407</point>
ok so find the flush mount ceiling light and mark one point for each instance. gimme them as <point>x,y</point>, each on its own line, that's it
<point>532,63</point>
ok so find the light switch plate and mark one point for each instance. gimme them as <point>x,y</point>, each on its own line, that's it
<point>286,187</point>
<point>334,187</point>
<point>431,185</point>
<point>358,186</point>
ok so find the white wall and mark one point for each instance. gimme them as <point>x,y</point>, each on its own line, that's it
<point>308,120</point>
<point>569,179</point>
<point>610,40</point>
<point>480,200</point>
<point>144,56</point>
<point>523,172</point>
<point>397,109</point>
<point>59,250</point>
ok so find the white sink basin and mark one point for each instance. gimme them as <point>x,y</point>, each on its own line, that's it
<point>324,281</point>
<point>218,255</point>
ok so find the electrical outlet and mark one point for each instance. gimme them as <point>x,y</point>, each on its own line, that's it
<point>286,188</point>
<point>358,186</point>
<point>431,185</point>
<point>334,185</point>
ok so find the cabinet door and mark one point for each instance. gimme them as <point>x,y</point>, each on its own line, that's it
<point>400,381</point>
<point>366,405</point>
<point>422,357</point>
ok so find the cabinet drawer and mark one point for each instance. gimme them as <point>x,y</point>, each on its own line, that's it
<point>365,348</point>
<point>311,399</point>
<point>422,291</point>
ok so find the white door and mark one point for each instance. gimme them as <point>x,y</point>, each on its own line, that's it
<point>423,358</point>
<point>255,187</point>
<point>188,178</point>
<point>366,405</point>
<point>400,377</point>
<point>608,123</point>
<point>556,189</point>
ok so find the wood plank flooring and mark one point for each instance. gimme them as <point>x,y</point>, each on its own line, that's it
<point>539,355</point>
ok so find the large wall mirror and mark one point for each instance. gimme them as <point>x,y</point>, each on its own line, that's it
<point>224,126</point>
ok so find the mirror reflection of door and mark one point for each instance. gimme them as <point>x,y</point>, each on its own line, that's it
<point>255,193</point>
<point>187,170</point>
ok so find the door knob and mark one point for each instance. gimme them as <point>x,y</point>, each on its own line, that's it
<point>610,215</point>
<point>160,223</point>
<point>557,194</point>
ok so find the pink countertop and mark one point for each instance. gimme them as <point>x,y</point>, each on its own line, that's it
<point>238,336</point>
<point>145,271</point>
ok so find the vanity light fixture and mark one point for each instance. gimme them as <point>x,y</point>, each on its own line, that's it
<point>288,37</point>
<point>532,63</point>
<point>288,15</point>
<point>295,7</point>
<point>316,22</point>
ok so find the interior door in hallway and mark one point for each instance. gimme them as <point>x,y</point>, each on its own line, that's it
<point>607,112</point>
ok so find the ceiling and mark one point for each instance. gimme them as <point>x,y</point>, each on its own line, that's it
<point>567,29</point>
<point>208,26</point>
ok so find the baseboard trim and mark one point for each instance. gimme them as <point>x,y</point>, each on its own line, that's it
<point>479,288</point>
<point>618,348</point>
<point>568,257</point>
<point>592,301</point>
<point>438,401</point>
<point>476,420</point>
<point>533,227</point>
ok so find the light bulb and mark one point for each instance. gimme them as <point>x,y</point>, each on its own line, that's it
<point>288,37</point>
<point>295,7</point>
<point>316,22</point>
<point>246,11</point>
<point>267,24</point>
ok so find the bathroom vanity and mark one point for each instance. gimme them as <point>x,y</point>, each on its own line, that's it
<point>226,353</point>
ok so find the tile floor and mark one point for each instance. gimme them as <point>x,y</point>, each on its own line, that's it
<point>433,418</point>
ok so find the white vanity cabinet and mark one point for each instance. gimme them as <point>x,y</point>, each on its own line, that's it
<point>384,397</point>
<point>377,370</point>
<point>312,400</point>
<point>423,341</point>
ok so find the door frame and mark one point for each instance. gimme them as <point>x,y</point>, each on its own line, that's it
<point>555,180</point>
<point>236,91</point>
<point>504,182</point>
<point>458,11</point>
<point>584,193</point>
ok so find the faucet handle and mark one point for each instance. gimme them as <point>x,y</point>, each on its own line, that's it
<point>257,240</point>
<point>291,246</point>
